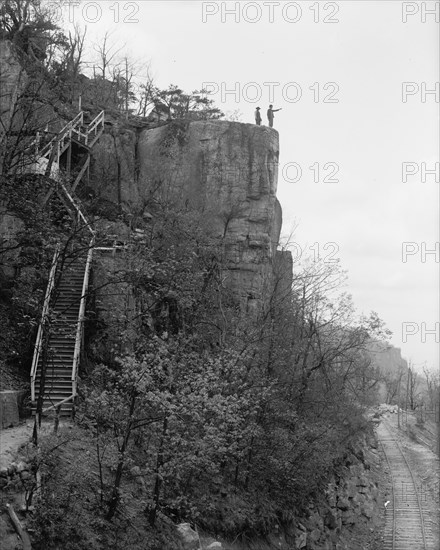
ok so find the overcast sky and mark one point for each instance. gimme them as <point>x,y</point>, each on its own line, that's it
<point>353,79</point>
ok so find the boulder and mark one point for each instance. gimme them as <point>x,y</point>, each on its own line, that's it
<point>343,504</point>
<point>367,510</point>
<point>8,409</point>
<point>189,537</point>
<point>139,478</point>
<point>330,520</point>
<point>348,517</point>
<point>22,466</point>
<point>301,540</point>
<point>315,535</point>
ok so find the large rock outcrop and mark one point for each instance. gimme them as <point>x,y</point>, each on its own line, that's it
<point>13,81</point>
<point>225,170</point>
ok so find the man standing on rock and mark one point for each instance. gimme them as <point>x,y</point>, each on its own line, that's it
<point>257,116</point>
<point>270,115</point>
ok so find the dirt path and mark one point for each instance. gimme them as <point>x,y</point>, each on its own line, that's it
<point>11,439</point>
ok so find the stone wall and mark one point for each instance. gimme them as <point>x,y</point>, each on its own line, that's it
<point>350,516</point>
<point>11,404</point>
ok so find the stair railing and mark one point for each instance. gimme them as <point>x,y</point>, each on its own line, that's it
<point>82,305</point>
<point>39,340</point>
<point>61,138</point>
<point>81,317</point>
<point>95,127</point>
<point>65,135</point>
<point>96,123</point>
<point>81,174</point>
<point>79,135</point>
<point>57,409</point>
<point>76,208</point>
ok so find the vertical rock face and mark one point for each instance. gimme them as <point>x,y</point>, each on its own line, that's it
<point>115,171</point>
<point>13,80</point>
<point>228,171</point>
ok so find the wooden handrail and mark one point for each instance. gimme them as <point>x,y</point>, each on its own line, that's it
<point>77,208</point>
<point>54,407</point>
<point>60,142</point>
<point>81,316</point>
<point>81,173</point>
<point>95,128</point>
<point>66,130</point>
<point>64,136</point>
<point>38,342</point>
<point>97,121</point>
<point>37,422</point>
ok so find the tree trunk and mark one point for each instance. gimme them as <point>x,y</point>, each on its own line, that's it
<point>114,499</point>
<point>158,483</point>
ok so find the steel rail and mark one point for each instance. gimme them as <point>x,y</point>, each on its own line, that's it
<point>393,496</point>
<point>419,505</point>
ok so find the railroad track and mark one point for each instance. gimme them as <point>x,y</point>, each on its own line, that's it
<point>407,526</point>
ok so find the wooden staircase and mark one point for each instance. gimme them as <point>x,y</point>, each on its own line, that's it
<point>75,135</point>
<point>55,365</point>
<point>61,338</point>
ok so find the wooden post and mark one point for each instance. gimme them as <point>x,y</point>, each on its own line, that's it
<point>26,541</point>
<point>57,418</point>
<point>69,156</point>
<point>35,431</point>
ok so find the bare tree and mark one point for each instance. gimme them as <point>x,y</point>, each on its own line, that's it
<point>74,59</point>
<point>147,94</point>
<point>432,378</point>
<point>413,380</point>
<point>107,53</point>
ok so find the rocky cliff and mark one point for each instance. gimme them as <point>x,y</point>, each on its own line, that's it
<point>13,80</point>
<point>227,171</point>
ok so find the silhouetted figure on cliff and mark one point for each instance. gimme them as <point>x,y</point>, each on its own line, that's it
<point>257,116</point>
<point>270,114</point>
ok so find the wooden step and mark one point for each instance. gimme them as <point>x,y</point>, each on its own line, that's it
<point>60,363</point>
<point>65,306</point>
<point>60,390</point>
<point>61,378</point>
<point>53,386</point>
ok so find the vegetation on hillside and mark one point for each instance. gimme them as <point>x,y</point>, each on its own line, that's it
<point>192,408</point>
<point>232,421</point>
